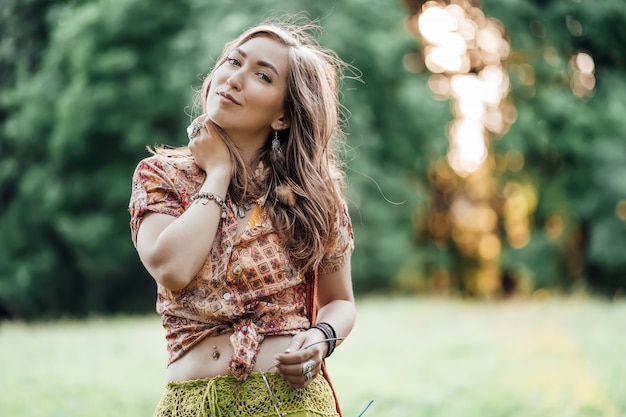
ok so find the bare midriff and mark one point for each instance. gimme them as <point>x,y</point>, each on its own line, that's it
<point>211,357</point>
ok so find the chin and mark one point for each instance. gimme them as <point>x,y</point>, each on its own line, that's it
<point>217,118</point>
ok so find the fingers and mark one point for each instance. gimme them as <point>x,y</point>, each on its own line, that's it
<point>301,374</point>
<point>299,366</point>
<point>199,126</point>
<point>193,129</point>
<point>299,369</point>
<point>207,146</point>
<point>296,343</point>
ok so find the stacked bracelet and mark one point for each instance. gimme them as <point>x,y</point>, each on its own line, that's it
<point>206,196</point>
<point>330,335</point>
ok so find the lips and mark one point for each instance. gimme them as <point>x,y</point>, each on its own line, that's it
<point>228,97</point>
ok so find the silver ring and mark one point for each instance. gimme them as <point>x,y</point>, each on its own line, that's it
<point>193,129</point>
<point>308,376</point>
<point>308,366</point>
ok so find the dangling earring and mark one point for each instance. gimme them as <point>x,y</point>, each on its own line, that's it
<point>276,143</point>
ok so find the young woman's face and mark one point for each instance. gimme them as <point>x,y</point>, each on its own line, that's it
<point>247,92</point>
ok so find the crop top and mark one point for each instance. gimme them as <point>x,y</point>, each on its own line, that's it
<point>247,286</point>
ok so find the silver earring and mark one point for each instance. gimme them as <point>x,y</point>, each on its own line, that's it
<point>276,143</point>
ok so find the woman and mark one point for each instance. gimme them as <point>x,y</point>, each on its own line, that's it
<point>247,234</point>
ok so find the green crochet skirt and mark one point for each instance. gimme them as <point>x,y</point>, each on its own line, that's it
<point>225,396</point>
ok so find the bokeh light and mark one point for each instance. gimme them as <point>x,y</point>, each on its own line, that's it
<point>583,80</point>
<point>464,50</point>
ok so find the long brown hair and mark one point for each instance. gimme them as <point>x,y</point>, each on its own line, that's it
<point>303,182</point>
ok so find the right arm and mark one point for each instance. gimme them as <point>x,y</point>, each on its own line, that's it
<point>174,249</point>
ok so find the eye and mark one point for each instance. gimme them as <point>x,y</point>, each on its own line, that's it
<point>265,77</point>
<point>233,61</point>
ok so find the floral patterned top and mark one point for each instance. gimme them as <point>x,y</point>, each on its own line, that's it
<point>247,286</point>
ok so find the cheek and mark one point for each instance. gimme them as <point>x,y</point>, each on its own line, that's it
<point>211,96</point>
<point>210,92</point>
<point>271,102</point>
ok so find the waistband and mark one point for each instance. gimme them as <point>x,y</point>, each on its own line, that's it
<point>225,396</point>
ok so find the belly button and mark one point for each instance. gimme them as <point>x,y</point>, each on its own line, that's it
<point>216,354</point>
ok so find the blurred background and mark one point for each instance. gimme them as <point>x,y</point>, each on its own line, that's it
<point>486,162</point>
<point>486,150</point>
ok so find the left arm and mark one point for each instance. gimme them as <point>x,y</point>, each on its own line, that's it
<point>335,301</point>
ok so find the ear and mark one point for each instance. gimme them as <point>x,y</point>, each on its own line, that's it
<point>280,123</point>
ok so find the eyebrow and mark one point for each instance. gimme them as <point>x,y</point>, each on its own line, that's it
<point>260,62</point>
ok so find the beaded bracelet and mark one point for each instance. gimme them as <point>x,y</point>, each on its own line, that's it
<point>329,333</point>
<point>206,196</point>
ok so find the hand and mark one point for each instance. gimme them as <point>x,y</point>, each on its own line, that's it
<point>293,362</point>
<point>208,148</point>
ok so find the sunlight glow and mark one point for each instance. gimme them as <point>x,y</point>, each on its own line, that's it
<point>435,22</point>
<point>583,80</point>
<point>467,148</point>
<point>464,51</point>
<point>585,64</point>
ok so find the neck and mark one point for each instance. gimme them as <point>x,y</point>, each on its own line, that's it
<point>248,154</point>
<point>248,145</point>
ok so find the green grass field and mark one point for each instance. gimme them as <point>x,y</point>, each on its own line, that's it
<point>413,357</point>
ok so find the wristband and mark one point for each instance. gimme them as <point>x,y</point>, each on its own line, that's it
<point>329,333</point>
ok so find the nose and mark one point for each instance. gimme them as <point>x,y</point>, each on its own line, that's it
<point>234,80</point>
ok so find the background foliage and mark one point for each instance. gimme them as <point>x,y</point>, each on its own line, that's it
<point>86,85</point>
<point>575,148</point>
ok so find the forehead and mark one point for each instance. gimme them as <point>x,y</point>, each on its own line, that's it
<point>264,49</point>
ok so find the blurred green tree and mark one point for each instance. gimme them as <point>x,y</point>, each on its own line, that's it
<point>73,124</point>
<point>562,162</point>
<point>86,85</point>
<point>572,138</point>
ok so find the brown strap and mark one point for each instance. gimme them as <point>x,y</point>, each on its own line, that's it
<point>311,311</point>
